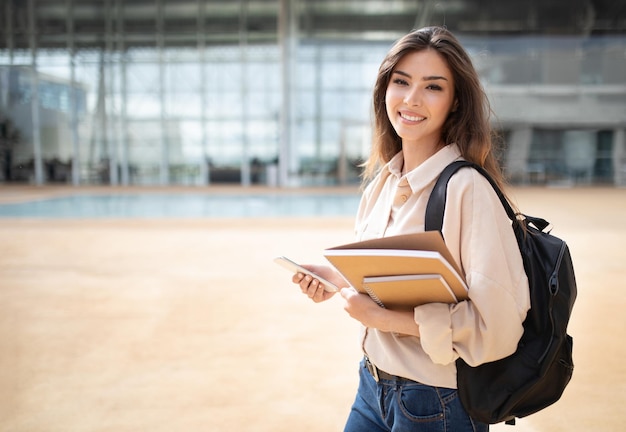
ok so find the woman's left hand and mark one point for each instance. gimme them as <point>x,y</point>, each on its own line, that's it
<point>362,308</point>
<point>365,310</point>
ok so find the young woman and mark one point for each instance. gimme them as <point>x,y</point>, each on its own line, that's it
<point>430,110</point>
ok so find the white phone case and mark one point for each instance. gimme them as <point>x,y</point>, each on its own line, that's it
<point>297,268</point>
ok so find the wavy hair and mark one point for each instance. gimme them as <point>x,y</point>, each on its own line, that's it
<point>468,126</point>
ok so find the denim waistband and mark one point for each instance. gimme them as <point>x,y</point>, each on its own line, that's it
<point>379,374</point>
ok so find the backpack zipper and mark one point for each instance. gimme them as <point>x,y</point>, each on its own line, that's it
<point>554,289</point>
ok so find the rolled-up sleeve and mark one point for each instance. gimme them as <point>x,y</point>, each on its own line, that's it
<point>478,233</point>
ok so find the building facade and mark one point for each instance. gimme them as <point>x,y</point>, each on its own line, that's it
<point>278,92</point>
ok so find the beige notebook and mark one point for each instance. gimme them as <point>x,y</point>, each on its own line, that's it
<point>408,291</point>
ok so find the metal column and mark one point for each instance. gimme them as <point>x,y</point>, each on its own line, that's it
<point>123,123</point>
<point>619,156</point>
<point>518,152</point>
<point>5,90</point>
<point>287,37</point>
<point>164,168</point>
<point>111,143</point>
<point>73,100</point>
<point>8,22</point>
<point>243,47</point>
<point>318,101</point>
<point>34,102</point>
<point>201,38</point>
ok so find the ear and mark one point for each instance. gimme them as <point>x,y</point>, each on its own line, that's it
<point>455,105</point>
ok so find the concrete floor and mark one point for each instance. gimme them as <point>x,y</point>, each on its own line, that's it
<point>187,325</point>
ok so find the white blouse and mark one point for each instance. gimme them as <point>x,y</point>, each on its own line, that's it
<point>478,233</point>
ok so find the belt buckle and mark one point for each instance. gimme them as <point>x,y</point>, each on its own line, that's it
<point>373,370</point>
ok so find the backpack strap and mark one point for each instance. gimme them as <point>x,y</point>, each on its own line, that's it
<point>437,201</point>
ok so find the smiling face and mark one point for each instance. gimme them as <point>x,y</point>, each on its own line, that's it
<point>419,98</point>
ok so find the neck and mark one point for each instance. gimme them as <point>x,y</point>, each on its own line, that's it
<point>415,155</point>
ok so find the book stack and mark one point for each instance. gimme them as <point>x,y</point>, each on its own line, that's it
<point>401,272</point>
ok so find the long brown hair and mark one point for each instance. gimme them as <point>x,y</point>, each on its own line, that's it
<point>468,126</point>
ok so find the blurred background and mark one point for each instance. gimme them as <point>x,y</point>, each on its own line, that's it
<point>162,310</point>
<point>278,92</point>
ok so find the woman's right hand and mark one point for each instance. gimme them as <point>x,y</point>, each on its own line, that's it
<point>313,288</point>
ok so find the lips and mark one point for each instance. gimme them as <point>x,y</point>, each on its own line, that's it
<point>411,118</point>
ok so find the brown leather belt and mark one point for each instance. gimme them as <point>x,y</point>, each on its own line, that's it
<point>378,374</point>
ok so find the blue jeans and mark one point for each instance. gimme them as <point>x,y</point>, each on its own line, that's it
<point>407,406</point>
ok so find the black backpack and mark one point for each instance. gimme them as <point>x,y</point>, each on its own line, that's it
<point>536,375</point>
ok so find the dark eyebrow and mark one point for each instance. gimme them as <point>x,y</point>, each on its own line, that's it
<point>399,72</point>
<point>426,78</point>
<point>434,78</point>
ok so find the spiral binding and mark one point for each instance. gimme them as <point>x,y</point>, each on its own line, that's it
<point>373,295</point>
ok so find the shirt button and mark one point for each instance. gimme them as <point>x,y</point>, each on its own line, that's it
<point>403,198</point>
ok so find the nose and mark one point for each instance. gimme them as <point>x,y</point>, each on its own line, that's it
<point>413,97</point>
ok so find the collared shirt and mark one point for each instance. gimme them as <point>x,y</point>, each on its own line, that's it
<point>478,233</point>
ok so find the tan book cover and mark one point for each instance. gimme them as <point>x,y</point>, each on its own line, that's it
<point>404,292</point>
<point>411,254</point>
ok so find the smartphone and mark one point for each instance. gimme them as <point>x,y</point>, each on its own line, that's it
<point>297,268</point>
